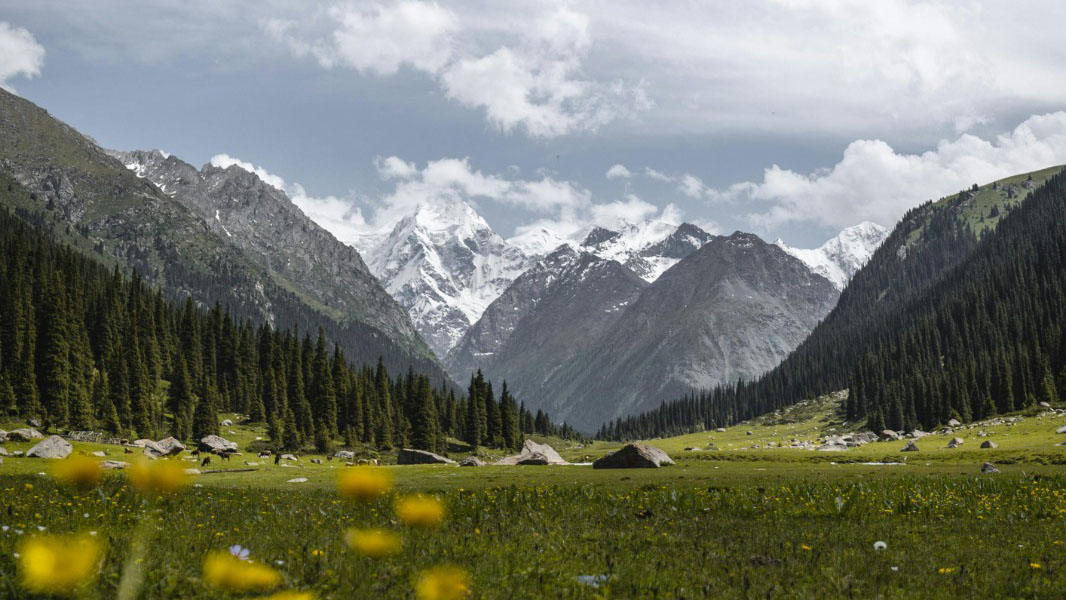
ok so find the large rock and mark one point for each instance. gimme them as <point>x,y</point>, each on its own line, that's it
<point>1061,429</point>
<point>910,447</point>
<point>889,436</point>
<point>409,456</point>
<point>24,435</point>
<point>171,446</point>
<point>471,461</point>
<point>3,451</point>
<point>151,449</point>
<point>534,454</point>
<point>989,468</point>
<point>987,444</point>
<point>955,442</point>
<point>634,456</point>
<point>218,445</point>
<point>113,464</point>
<point>51,447</point>
<point>3,436</point>
<point>954,423</point>
<point>344,454</point>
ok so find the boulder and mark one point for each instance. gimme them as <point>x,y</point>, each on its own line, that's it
<point>344,454</point>
<point>142,442</point>
<point>113,464</point>
<point>297,480</point>
<point>471,461</point>
<point>316,461</point>
<point>989,468</point>
<point>152,449</point>
<point>3,436</point>
<point>1061,429</point>
<point>954,423</point>
<point>1045,405</point>
<point>24,435</point>
<point>889,436</point>
<point>288,457</point>
<point>989,444</point>
<point>910,447</point>
<point>51,447</point>
<point>634,456</point>
<point>98,454</point>
<point>171,446</point>
<point>216,444</point>
<point>3,451</point>
<point>409,456</point>
<point>720,430</point>
<point>534,452</point>
<point>33,423</point>
<point>955,442</point>
<point>226,423</point>
<point>918,434</point>
<point>192,471</point>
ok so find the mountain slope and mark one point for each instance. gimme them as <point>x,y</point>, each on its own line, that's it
<point>924,248</point>
<point>841,257</point>
<point>445,265</point>
<point>648,248</point>
<point>290,272</point>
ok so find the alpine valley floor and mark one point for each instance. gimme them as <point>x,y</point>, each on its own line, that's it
<point>731,523</point>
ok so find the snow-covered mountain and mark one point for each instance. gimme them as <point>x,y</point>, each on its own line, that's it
<point>647,248</point>
<point>839,258</point>
<point>445,265</point>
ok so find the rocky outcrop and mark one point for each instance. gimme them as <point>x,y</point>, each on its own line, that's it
<point>534,454</point>
<point>409,456</point>
<point>24,435</point>
<point>634,456</point>
<point>170,446</point>
<point>51,447</point>
<point>218,445</point>
<point>471,461</point>
<point>911,446</point>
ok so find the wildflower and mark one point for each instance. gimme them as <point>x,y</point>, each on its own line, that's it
<point>317,552</point>
<point>1034,565</point>
<point>420,510</point>
<point>364,483</point>
<point>58,565</point>
<point>879,545</point>
<point>78,471</point>
<point>805,547</point>
<point>158,477</point>
<point>374,543</point>
<point>239,551</point>
<point>229,573</point>
<point>289,595</point>
<point>442,583</point>
<point>945,570</point>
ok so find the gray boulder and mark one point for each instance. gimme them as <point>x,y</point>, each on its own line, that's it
<point>910,447</point>
<point>3,436</point>
<point>33,423</point>
<point>24,435</point>
<point>954,423</point>
<point>3,451</point>
<point>1061,429</point>
<point>409,456</point>
<point>171,446</point>
<point>141,443</point>
<point>216,444</point>
<point>532,454</point>
<point>98,454</point>
<point>344,454</point>
<point>634,456</point>
<point>152,449</point>
<point>316,461</point>
<point>51,447</point>
<point>226,423</point>
<point>113,464</point>
<point>1045,405</point>
<point>989,444</point>
<point>955,442</point>
<point>989,468</point>
<point>889,436</point>
<point>288,457</point>
<point>471,461</point>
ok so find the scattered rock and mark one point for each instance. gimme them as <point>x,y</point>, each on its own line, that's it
<point>288,457</point>
<point>152,449</point>
<point>1061,429</point>
<point>720,430</point>
<point>98,453</point>
<point>634,456</point>
<point>51,447</point>
<point>471,461</point>
<point>316,461</point>
<point>3,436</point>
<point>409,456</point>
<point>297,480</point>
<point>533,454</point>
<point>24,435</point>
<point>1045,405</point>
<point>989,468</point>
<point>344,454</point>
<point>217,444</point>
<point>33,423</point>
<point>955,442</point>
<point>989,444</point>
<point>226,423</point>
<point>918,434</point>
<point>3,451</point>
<point>171,446</point>
<point>889,436</point>
<point>113,464</point>
<point>954,423</point>
<point>911,446</point>
<point>192,471</point>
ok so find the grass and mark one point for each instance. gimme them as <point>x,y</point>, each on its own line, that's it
<point>731,523</point>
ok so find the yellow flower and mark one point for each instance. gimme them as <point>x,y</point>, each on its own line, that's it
<point>79,471</point>
<point>317,552</point>
<point>229,573</point>
<point>58,565</point>
<point>364,483</point>
<point>1034,565</point>
<point>289,595</point>
<point>945,570</point>
<point>805,547</point>
<point>420,510</point>
<point>442,583</point>
<point>158,477</point>
<point>374,543</point>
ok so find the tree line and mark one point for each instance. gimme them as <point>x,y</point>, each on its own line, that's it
<point>84,347</point>
<point>929,248</point>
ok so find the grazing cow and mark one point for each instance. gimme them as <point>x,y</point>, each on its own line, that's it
<point>195,452</point>
<point>127,451</point>
<point>206,461</point>
<point>224,455</point>
<point>330,457</point>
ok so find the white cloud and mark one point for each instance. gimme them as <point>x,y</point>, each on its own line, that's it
<point>20,54</point>
<point>691,186</point>
<point>657,175</point>
<point>224,161</point>
<point>874,182</point>
<point>385,38</point>
<point>618,171</point>
<point>392,167</point>
<point>340,216</point>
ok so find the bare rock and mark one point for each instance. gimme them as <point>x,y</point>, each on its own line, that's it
<point>989,468</point>
<point>409,456</point>
<point>218,445</point>
<point>471,461</point>
<point>98,454</point>
<point>297,480</point>
<point>171,446</point>
<point>634,456</point>
<point>533,454</point>
<point>24,435</point>
<point>989,444</point>
<point>889,436</point>
<point>1061,429</point>
<point>51,447</point>
<point>955,442</point>
<point>344,454</point>
<point>954,423</point>
<point>114,464</point>
<point>911,446</point>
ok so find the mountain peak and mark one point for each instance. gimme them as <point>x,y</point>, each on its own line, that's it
<point>843,254</point>
<point>598,236</point>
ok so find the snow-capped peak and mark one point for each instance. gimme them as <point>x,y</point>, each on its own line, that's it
<point>648,248</point>
<point>839,258</point>
<point>538,242</point>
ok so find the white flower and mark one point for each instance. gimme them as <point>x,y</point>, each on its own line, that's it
<point>239,551</point>
<point>879,545</point>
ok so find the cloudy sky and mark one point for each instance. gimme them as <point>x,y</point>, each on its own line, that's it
<point>788,118</point>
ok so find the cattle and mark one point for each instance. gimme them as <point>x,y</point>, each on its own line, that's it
<point>206,461</point>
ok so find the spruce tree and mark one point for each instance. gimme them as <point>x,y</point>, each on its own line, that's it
<point>424,423</point>
<point>205,415</point>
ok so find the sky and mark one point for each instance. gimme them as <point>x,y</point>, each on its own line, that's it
<point>787,118</point>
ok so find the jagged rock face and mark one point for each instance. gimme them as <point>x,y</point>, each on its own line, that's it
<point>273,265</point>
<point>841,257</point>
<point>648,249</point>
<point>547,318</point>
<point>445,265</point>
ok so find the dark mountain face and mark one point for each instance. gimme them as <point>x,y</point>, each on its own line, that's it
<point>215,235</point>
<point>547,318</point>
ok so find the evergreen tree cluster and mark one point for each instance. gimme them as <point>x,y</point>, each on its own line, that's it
<point>930,252</point>
<point>83,347</point>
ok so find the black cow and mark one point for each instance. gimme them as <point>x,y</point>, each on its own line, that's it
<point>206,461</point>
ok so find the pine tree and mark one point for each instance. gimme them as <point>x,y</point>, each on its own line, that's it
<point>424,424</point>
<point>205,415</point>
<point>180,401</point>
